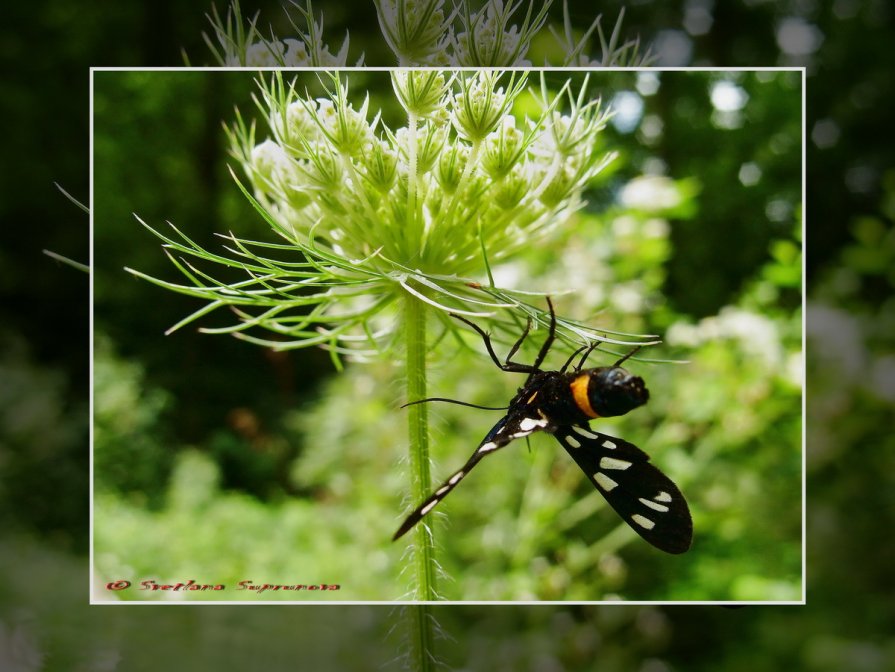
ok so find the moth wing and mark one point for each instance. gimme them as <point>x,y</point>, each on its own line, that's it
<point>645,498</point>
<point>510,427</point>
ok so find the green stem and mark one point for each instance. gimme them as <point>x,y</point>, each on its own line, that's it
<point>420,621</point>
<point>418,426</point>
<point>421,642</point>
<point>66,260</point>
<point>416,244</point>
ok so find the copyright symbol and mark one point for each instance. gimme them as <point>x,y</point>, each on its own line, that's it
<point>118,585</point>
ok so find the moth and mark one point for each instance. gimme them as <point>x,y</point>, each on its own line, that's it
<point>563,403</point>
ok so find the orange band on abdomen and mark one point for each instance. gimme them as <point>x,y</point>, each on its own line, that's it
<point>579,392</point>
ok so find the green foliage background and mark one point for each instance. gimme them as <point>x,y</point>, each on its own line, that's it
<point>212,465</point>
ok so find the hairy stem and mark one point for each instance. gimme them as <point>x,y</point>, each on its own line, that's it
<point>418,426</point>
<point>414,219</point>
<point>422,657</point>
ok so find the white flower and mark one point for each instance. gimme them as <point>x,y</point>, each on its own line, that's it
<point>271,162</point>
<point>260,55</point>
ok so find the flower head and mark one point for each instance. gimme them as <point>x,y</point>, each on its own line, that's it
<point>426,33</point>
<point>488,39</point>
<point>417,31</point>
<point>240,43</point>
<point>374,213</point>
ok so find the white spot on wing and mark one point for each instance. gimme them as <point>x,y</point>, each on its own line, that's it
<point>456,477</point>
<point>573,442</point>
<point>608,444</point>
<point>655,507</point>
<point>645,523</point>
<point>428,507</point>
<point>613,463</point>
<point>528,424</point>
<point>519,435</point>
<point>586,433</point>
<point>604,481</point>
<point>663,497</point>
<point>443,489</point>
<point>486,447</point>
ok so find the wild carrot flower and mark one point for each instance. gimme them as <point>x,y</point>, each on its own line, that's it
<point>379,213</point>
<point>428,33</point>
<point>238,42</point>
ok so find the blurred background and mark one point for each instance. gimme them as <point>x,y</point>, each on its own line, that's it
<point>45,623</point>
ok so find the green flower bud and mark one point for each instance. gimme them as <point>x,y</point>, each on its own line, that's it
<point>479,106</point>
<point>451,165</point>
<point>420,92</point>
<point>430,141</point>
<point>562,183</point>
<point>490,43</point>
<point>416,30</point>
<point>346,128</point>
<point>323,169</point>
<point>380,162</point>
<point>502,149</point>
<point>510,190</point>
<point>300,129</point>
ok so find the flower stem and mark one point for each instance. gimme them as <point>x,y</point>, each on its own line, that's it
<point>418,426</point>
<point>416,242</point>
<point>422,657</point>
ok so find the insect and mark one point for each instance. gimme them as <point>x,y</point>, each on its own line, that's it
<point>562,403</point>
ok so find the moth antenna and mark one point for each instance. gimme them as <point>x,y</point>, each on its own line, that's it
<point>630,354</point>
<point>454,401</point>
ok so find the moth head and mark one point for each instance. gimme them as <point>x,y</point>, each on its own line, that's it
<point>613,390</point>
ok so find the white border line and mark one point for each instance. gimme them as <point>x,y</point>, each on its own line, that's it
<point>94,588</point>
<point>91,401</point>
<point>804,349</point>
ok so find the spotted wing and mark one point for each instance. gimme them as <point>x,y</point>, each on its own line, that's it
<point>643,496</point>
<point>512,426</point>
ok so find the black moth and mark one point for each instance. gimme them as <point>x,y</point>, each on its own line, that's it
<point>562,403</point>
